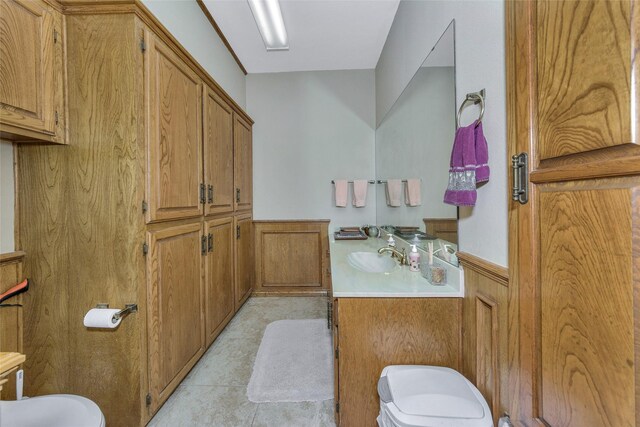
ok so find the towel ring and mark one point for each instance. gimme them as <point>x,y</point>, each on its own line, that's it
<point>475,98</point>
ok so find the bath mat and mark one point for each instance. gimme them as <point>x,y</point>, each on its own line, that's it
<point>294,363</point>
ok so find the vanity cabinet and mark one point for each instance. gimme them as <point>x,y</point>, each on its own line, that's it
<point>243,163</point>
<point>174,131</point>
<point>371,333</point>
<point>219,276</point>
<point>243,259</point>
<point>32,72</point>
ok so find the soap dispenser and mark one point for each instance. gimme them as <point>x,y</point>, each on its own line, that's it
<point>414,259</point>
<point>391,241</point>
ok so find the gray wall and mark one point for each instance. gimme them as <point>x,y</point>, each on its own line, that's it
<point>479,64</point>
<point>6,197</point>
<point>311,127</point>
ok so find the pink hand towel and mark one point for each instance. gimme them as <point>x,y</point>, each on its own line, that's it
<point>394,187</point>
<point>360,187</point>
<point>341,192</point>
<point>412,192</point>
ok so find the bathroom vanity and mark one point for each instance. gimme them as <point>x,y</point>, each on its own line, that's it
<point>386,318</point>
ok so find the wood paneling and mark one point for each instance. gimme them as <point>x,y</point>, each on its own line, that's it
<point>583,76</point>
<point>174,134</point>
<point>219,298</point>
<point>11,318</point>
<point>31,71</point>
<point>290,257</point>
<point>445,229</point>
<point>243,163</point>
<point>484,330</point>
<point>218,153</point>
<point>175,298</point>
<point>376,332</point>
<point>243,259</point>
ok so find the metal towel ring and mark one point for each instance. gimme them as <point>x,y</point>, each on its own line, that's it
<point>475,98</point>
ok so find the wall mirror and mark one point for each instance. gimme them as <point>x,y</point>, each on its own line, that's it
<point>413,141</point>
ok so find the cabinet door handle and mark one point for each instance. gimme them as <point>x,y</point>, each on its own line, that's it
<point>203,245</point>
<point>202,199</point>
<point>210,242</point>
<point>237,195</point>
<point>210,193</point>
<point>237,232</point>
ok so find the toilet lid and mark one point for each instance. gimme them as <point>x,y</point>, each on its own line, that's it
<point>56,410</point>
<point>432,391</point>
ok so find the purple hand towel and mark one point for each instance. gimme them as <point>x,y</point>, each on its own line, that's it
<point>482,155</point>
<point>461,190</point>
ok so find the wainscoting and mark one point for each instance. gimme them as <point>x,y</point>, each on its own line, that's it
<point>446,229</point>
<point>291,257</point>
<point>485,330</point>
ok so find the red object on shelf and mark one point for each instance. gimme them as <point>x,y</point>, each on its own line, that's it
<point>17,289</point>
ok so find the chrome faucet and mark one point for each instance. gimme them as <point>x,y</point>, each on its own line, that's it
<point>400,256</point>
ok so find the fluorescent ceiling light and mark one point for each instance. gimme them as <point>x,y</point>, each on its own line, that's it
<point>270,23</point>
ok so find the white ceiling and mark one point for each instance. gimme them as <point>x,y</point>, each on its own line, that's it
<point>323,34</point>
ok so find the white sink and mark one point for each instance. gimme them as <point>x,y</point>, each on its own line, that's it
<point>371,262</point>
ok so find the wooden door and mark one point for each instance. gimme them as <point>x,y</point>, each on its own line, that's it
<point>575,246</point>
<point>219,300</point>
<point>31,70</point>
<point>218,153</point>
<point>244,259</point>
<point>243,163</point>
<point>175,307</point>
<point>174,145</point>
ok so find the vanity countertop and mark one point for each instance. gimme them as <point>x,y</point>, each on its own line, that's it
<point>348,281</point>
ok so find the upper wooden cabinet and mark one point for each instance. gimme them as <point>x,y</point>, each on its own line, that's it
<point>174,133</point>
<point>243,163</point>
<point>31,72</point>
<point>218,153</point>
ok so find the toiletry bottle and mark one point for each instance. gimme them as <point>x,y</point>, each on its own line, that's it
<point>390,241</point>
<point>414,259</point>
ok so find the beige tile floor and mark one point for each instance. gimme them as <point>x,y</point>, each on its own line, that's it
<point>215,391</point>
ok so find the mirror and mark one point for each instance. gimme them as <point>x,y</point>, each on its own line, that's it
<point>413,141</point>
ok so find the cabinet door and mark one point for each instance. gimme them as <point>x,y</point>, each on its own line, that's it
<point>244,259</point>
<point>219,306</point>
<point>30,70</point>
<point>218,153</point>
<point>243,163</point>
<point>175,308</point>
<point>174,134</point>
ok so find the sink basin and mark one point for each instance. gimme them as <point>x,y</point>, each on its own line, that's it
<point>370,262</point>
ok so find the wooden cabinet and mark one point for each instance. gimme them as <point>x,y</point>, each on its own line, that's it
<point>243,259</point>
<point>175,306</point>
<point>243,163</point>
<point>218,153</point>
<point>174,147</point>
<point>219,275</point>
<point>31,72</point>
<point>371,333</point>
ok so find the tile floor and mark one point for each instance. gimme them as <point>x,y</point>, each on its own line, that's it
<point>215,391</point>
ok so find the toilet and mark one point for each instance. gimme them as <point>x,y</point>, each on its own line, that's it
<point>429,396</point>
<point>55,410</point>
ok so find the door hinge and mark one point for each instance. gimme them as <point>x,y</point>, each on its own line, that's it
<point>210,193</point>
<point>145,206</point>
<point>147,399</point>
<point>55,36</point>
<point>337,353</point>
<point>203,245</point>
<point>210,242</point>
<point>237,195</point>
<point>145,248</point>
<point>520,170</point>
<point>56,117</point>
<point>337,407</point>
<point>202,197</point>
<point>143,46</point>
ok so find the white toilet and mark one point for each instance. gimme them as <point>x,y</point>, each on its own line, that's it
<point>54,410</point>
<point>429,396</point>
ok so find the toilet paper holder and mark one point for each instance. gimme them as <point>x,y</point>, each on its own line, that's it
<point>128,308</point>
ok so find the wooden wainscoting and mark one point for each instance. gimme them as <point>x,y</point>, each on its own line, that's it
<point>11,317</point>
<point>291,257</point>
<point>484,330</point>
<point>445,229</point>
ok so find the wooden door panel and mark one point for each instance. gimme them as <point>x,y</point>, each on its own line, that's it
<point>176,333</point>
<point>218,153</point>
<point>583,75</point>
<point>27,65</point>
<point>244,259</point>
<point>219,301</point>
<point>587,365</point>
<point>174,135</point>
<point>243,163</point>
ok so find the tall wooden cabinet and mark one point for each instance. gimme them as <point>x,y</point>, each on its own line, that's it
<point>31,71</point>
<point>139,207</point>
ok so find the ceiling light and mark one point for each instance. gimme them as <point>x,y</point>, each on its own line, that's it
<point>270,23</point>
